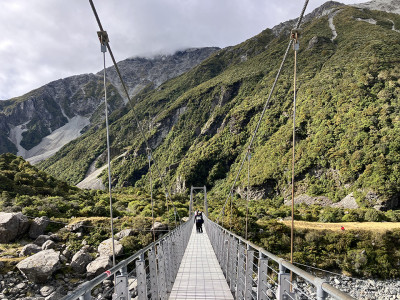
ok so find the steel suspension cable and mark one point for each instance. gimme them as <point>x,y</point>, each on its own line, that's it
<point>103,49</point>
<point>151,196</point>
<point>248,190</point>
<point>265,105</point>
<point>295,36</point>
<point>130,102</point>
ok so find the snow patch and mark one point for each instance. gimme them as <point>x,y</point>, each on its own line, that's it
<point>370,21</point>
<point>57,139</point>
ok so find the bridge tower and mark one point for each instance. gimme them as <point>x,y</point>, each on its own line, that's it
<point>205,200</point>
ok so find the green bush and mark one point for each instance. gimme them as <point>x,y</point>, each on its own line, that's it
<point>372,215</point>
<point>330,214</point>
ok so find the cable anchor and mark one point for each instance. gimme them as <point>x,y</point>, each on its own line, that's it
<point>103,38</point>
<point>295,34</point>
<point>148,150</point>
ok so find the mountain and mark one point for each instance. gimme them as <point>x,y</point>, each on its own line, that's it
<point>199,124</point>
<point>39,123</point>
<point>391,6</point>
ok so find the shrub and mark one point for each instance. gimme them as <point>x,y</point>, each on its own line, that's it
<point>373,215</point>
<point>330,214</point>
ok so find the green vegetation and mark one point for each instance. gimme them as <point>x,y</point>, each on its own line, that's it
<point>199,124</point>
<point>360,253</point>
<point>25,188</point>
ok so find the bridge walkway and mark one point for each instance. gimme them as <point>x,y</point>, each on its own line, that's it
<point>200,275</point>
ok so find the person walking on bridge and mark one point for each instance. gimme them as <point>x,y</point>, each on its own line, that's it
<point>198,219</point>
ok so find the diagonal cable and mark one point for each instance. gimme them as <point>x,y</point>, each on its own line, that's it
<point>264,109</point>
<point>168,195</point>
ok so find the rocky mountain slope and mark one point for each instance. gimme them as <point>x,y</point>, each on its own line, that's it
<point>200,123</point>
<point>38,124</point>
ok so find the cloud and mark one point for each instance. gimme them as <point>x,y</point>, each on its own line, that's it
<point>44,40</point>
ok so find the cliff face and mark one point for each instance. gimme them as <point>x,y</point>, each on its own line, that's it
<point>39,123</point>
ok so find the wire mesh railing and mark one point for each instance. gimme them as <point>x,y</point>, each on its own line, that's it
<point>254,273</point>
<point>148,274</point>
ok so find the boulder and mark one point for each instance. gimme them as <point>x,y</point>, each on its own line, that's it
<point>30,249</point>
<point>159,228</point>
<point>40,266</point>
<point>41,239</point>
<point>38,226</point>
<point>80,260</point>
<point>49,244</point>
<point>124,233</point>
<point>98,266</point>
<point>12,225</point>
<point>106,249</point>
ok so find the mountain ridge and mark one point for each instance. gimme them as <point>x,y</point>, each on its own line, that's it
<point>71,105</point>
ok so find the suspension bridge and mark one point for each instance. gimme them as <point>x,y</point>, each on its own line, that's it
<point>216,264</point>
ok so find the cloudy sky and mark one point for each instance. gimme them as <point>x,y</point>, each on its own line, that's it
<point>44,40</point>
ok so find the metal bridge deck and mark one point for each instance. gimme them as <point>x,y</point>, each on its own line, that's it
<point>200,275</point>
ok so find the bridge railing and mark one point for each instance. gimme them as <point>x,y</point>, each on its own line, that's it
<point>153,267</point>
<point>254,273</point>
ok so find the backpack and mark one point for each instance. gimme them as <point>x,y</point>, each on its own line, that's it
<point>199,219</point>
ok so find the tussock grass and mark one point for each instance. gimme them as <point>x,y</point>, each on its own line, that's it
<point>368,226</point>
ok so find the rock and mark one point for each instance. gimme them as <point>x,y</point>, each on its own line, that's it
<point>40,266</point>
<point>48,245</point>
<point>21,286</point>
<point>67,253</point>
<point>99,265</point>
<point>76,227</point>
<point>29,250</point>
<point>55,237</point>
<point>12,225</point>
<point>46,290</point>
<point>347,202</point>
<point>106,249</point>
<point>41,239</point>
<point>38,226</point>
<point>159,228</point>
<point>80,260</point>
<point>124,233</point>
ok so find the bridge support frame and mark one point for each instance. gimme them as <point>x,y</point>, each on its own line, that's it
<point>205,200</point>
<point>284,291</point>
<point>121,287</point>
<point>141,279</point>
<point>162,281</point>
<point>153,274</point>
<point>262,277</point>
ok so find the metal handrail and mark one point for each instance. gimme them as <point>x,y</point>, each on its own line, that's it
<point>83,291</point>
<point>220,235</point>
